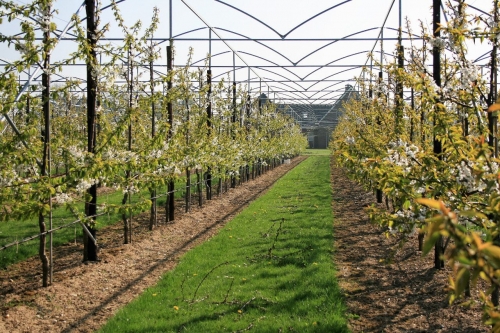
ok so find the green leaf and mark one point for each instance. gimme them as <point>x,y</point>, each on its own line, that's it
<point>429,243</point>
<point>493,253</point>
<point>462,280</point>
<point>406,204</point>
<point>465,261</point>
<point>473,213</point>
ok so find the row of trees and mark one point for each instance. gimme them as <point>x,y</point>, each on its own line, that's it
<point>61,144</point>
<point>434,152</point>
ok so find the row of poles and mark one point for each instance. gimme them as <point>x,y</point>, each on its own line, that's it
<point>90,252</point>
<point>90,245</point>
<point>437,144</point>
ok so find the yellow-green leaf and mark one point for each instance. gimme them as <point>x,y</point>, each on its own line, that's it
<point>431,203</point>
<point>429,243</point>
<point>462,280</point>
<point>493,253</point>
<point>473,213</point>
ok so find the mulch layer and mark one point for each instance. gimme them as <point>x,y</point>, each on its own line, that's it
<point>408,295</point>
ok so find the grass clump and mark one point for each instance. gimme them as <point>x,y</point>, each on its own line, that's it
<point>321,152</point>
<point>270,269</point>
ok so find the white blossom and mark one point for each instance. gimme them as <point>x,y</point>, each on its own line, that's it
<point>84,185</point>
<point>62,198</point>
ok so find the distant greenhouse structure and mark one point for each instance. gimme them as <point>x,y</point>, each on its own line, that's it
<point>318,120</point>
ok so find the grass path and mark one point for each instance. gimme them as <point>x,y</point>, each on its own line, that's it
<point>268,270</point>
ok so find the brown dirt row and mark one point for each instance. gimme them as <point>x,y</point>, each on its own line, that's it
<point>84,295</point>
<point>408,295</point>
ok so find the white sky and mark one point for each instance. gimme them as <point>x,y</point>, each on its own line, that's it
<point>282,16</point>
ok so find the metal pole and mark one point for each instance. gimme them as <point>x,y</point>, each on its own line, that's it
<point>399,83</point>
<point>209,111</point>
<point>381,48</point>
<point>209,125</point>
<point>153,216</point>
<point>379,193</point>
<point>492,116</point>
<point>234,95</point>
<point>233,177</point>
<point>370,92</point>
<point>90,248</point>
<point>171,184</point>
<point>260,97</point>
<point>412,92</point>
<point>170,21</point>
<point>437,147</point>
<point>47,263</point>
<point>492,123</point>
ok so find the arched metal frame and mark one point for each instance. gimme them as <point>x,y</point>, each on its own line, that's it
<point>286,84</point>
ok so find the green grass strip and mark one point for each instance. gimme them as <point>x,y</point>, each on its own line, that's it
<point>322,152</point>
<point>270,269</point>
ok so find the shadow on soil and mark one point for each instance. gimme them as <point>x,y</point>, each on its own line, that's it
<point>408,295</point>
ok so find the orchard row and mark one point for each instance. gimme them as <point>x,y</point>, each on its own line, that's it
<point>60,142</point>
<point>433,151</point>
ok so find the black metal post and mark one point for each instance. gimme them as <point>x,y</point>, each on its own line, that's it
<point>437,146</point>
<point>90,248</point>
<point>153,213</point>
<point>233,177</point>
<point>45,167</point>
<point>399,82</point>
<point>209,126</point>
<point>493,123</point>
<point>492,116</point>
<point>171,185</point>
<point>379,193</point>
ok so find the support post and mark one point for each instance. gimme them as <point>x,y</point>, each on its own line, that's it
<point>233,119</point>
<point>90,247</point>
<point>209,126</point>
<point>379,193</point>
<point>437,146</point>
<point>170,110</point>
<point>493,123</point>
<point>45,167</point>
<point>153,214</point>
<point>399,82</point>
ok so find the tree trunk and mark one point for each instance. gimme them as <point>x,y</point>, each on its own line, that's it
<point>125,221</point>
<point>153,215</point>
<point>200,191</point>
<point>171,201</point>
<point>421,242</point>
<point>438,253</point>
<point>188,189</point>
<point>167,207</point>
<point>42,250</point>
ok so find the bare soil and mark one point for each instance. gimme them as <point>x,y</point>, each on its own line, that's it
<point>84,295</point>
<point>408,295</point>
